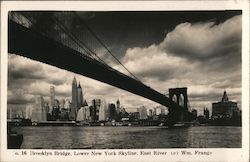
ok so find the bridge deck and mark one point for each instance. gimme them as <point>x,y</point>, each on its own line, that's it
<point>25,42</point>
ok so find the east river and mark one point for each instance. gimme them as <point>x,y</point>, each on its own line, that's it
<point>67,137</point>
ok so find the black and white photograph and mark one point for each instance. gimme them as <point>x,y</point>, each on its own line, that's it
<point>124,80</point>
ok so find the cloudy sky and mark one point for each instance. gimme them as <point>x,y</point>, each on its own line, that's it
<point>198,50</point>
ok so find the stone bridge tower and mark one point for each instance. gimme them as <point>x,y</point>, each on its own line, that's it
<point>179,95</point>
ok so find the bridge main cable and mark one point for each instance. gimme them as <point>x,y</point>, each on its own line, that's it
<point>66,31</point>
<point>80,43</point>
<point>25,42</point>
<point>99,40</point>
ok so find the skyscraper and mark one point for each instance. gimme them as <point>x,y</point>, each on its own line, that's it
<point>87,113</point>
<point>28,111</point>
<point>74,93</point>
<point>194,114</point>
<point>111,112</point>
<point>103,111</point>
<point>96,103</point>
<point>72,112</point>
<point>79,96</point>
<point>39,113</point>
<point>158,110</point>
<point>142,112</point>
<point>149,112</point>
<point>206,113</point>
<point>67,104</point>
<point>77,99</point>
<point>81,114</point>
<point>118,106</point>
<point>62,103</point>
<point>52,98</point>
<point>163,110</point>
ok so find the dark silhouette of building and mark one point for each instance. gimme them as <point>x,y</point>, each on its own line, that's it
<point>79,96</point>
<point>77,99</point>
<point>118,106</point>
<point>224,108</point>
<point>194,114</point>
<point>55,113</point>
<point>72,112</point>
<point>64,114</point>
<point>91,113</point>
<point>74,93</point>
<point>142,113</point>
<point>134,116</point>
<point>206,113</point>
<point>96,104</point>
<point>226,112</point>
<point>111,112</point>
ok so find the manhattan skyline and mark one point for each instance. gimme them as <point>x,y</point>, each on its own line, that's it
<point>201,51</point>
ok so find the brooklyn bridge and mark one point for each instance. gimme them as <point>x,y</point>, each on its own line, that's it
<point>32,43</point>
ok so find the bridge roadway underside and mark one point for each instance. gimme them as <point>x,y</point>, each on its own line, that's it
<point>25,42</point>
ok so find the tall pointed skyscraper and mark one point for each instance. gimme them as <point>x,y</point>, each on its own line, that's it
<point>74,93</point>
<point>79,96</point>
<point>118,106</point>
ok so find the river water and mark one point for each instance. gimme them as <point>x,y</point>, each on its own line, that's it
<point>67,137</point>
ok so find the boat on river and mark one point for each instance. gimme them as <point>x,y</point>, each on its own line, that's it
<point>14,140</point>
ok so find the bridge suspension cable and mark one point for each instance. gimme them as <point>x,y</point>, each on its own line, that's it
<point>99,40</point>
<point>29,18</point>
<point>26,42</point>
<point>77,41</point>
<point>80,43</point>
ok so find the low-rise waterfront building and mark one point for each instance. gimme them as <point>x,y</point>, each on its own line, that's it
<point>224,108</point>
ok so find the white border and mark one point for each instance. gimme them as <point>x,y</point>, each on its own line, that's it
<point>241,154</point>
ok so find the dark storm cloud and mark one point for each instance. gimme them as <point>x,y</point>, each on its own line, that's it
<point>23,71</point>
<point>204,96</point>
<point>18,70</point>
<point>122,30</point>
<point>161,74</point>
<point>21,74</point>
<point>209,47</point>
<point>55,81</point>
<point>62,94</point>
<point>19,96</point>
<point>27,79</point>
<point>19,100</point>
<point>210,61</point>
<point>233,82</point>
<point>141,29</point>
<point>204,41</point>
